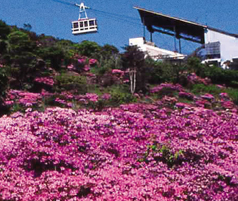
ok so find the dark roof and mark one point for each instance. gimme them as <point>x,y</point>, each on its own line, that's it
<point>175,26</point>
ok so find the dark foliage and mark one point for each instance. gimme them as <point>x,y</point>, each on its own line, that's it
<point>133,58</point>
<point>4,30</point>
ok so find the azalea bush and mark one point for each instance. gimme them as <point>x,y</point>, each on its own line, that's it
<point>134,152</point>
<point>166,89</point>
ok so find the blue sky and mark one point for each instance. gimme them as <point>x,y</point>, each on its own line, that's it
<point>52,18</point>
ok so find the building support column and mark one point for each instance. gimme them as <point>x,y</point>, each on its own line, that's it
<point>144,27</point>
<point>175,46</point>
<point>180,49</point>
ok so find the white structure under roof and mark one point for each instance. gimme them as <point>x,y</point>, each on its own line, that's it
<point>154,52</point>
<point>228,43</point>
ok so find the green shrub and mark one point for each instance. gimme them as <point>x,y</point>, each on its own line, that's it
<point>221,76</point>
<point>233,94</point>
<point>166,91</point>
<point>166,72</point>
<point>163,153</point>
<point>194,64</point>
<point>120,94</point>
<point>201,88</point>
<point>234,84</point>
<point>17,108</point>
<point>3,83</point>
<point>159,71</point>
<point>68,82</point>
<point>101,70</point>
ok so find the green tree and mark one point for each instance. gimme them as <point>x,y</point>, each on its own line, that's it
<point>53,56</point>
<point>22,59</point>
<point>69,49</point>
<point>51,52</point>
<point>4,30</point>
<point>108,51</point>
<point>4,45</point>
<point>27,26</point>
<point>20,43</point>
<point>108,58</point>
<point>133,59</point>
<point>88,48</point>
<point>3,85</point>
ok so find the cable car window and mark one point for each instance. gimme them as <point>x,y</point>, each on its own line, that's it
<point>81,24</point>
<point>91,23</point>
<point>86,23</point>
<point>76,25</point>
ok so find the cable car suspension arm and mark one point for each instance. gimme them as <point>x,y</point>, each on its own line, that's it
<point>82,9</point>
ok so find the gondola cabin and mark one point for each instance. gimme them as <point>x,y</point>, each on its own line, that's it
<point>83,26</point>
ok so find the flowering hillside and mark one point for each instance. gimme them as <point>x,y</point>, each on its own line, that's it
<point>134,152</point>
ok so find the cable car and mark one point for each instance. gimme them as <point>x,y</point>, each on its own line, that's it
<point>84,24</point>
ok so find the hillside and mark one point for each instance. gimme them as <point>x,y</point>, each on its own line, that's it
<point>55,72</point>
<point>86,122</point>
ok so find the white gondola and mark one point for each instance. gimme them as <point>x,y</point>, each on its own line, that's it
<point>84,24</point>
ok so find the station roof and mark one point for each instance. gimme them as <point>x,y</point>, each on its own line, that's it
<point>188,30</point>
<point>171,25</point>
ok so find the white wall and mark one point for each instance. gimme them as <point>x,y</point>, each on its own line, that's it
<point>137,41</point>
<point>229,44</point>
<point>153,51</point>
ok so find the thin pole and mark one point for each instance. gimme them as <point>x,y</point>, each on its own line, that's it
<point>151,40</point>
<point>144,27</point>
<point>175,48</point>
<point>180,49</point>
